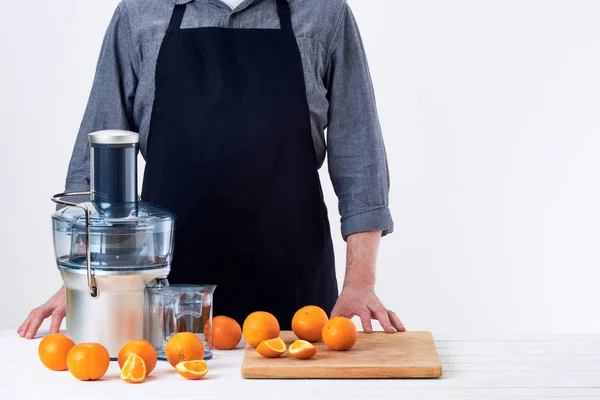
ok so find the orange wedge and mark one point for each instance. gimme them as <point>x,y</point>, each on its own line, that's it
<point>192,369</point>
<point>134,369</point>
<point>302,349</point>
<point>271,348</point>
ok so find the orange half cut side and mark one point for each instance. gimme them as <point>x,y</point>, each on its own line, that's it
<point>192,369</point>
<point>271,348</point>
<point>134,369</point>
<point>302,349</point>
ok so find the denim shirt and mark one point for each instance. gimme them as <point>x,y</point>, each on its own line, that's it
<point>342,108</point>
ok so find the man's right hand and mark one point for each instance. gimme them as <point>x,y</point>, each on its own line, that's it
<point>55,307</point>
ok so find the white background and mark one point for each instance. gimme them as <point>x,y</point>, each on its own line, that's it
<point>490,111</point>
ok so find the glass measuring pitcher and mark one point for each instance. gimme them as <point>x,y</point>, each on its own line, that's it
<point>180,308</point>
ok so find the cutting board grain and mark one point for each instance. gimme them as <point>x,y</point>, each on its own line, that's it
<point>375,355</point>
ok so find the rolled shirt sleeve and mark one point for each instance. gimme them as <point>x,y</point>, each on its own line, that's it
<point>357,160</point>
<point>110,104</point>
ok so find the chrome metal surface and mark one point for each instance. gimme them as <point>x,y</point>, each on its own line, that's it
<point>114,318</point>
<point>91,281</point>
<point>113,136</point>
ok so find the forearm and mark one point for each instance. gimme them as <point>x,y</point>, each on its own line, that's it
<point>361,258</point>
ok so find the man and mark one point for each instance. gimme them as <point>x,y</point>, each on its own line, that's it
<point>231,100</point>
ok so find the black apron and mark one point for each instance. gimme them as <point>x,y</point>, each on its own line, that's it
<point>230,152</point>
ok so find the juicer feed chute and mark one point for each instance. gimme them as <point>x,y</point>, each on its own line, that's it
<point>110,248</point>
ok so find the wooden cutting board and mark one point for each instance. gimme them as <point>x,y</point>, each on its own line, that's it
<point>375,355</point>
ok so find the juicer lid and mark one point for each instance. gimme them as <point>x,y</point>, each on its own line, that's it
<point>113,136</point>
<point>141,215</point>
<point>124,245</point>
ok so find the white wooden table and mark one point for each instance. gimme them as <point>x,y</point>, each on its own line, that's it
<point>488,367</point>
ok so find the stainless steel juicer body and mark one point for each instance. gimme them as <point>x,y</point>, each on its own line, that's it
<point>110,248</point>
<point>117,315</point>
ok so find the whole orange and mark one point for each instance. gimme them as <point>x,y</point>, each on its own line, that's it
<point>53,351</point>
<point>184,346</point>
<point>226,333</point>
<point>143,349</point>
<point>88,361</point>
<point>308,323</point>
<point>340,333</point>
<point>259,326</point>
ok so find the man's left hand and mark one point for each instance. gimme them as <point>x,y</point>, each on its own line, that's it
<point>361,301</point>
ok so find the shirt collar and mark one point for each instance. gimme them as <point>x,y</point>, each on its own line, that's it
<point>211,1</point>
<point>214,1</point>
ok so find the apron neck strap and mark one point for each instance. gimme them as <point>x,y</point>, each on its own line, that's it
<point>283,10</point>
<point>177,17</point>
<point>285,17</point>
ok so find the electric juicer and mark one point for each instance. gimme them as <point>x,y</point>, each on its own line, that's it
<point>110,248</point>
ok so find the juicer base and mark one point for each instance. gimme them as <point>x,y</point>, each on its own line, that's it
<point>117,315</point>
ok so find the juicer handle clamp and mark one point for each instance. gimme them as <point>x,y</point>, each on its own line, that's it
<point>91,280</point>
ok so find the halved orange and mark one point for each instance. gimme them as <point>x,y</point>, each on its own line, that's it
<point>134,369</point>
<point>271,348</point>
<point>143,349</point>
<point>302,349</point>
<point>192,369</point>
